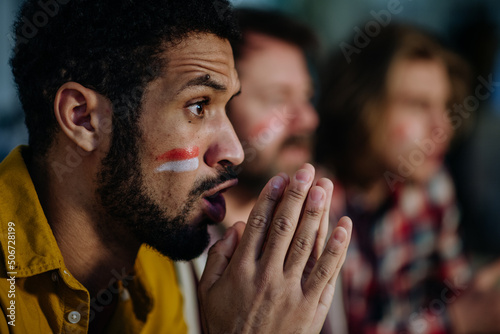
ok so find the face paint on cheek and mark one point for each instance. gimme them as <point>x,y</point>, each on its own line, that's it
<point>259,128</point>
<point>179,160</point>
<point>267,130</point>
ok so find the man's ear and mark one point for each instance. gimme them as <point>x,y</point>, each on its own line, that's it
<point>83,115</point>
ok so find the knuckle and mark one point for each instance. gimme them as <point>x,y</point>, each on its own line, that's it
<point>264,281</point>
<point>268,197</point>
<point>314,213</point>
<point>302,244</point>
<point>258,221</point>
<point>240,269</point>
<point>283,226</point>
<point>324,272</point>
<point>333,251</point>
<point>273,242</point>
<point>275,292</point>
<point>315,284</point>
<point>296,194</point>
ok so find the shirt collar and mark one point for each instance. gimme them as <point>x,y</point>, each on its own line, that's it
<point>36,249</point>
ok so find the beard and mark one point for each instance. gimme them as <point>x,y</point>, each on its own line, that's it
<point>253,180</point>
<point>124,199</point>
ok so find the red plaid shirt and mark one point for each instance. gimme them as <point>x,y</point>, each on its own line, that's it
<point>405,262</point>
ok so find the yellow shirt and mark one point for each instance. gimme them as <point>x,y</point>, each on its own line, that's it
<point>45,298</point>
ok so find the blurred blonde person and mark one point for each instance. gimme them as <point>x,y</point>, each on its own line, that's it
<point>391,108</point>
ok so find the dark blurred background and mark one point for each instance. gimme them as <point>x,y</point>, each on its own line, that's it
<point>471,28</point>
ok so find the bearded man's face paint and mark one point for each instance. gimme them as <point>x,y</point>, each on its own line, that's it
<point>179,160</point>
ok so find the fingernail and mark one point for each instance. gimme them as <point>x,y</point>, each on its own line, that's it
<point>316,195</point>
<point>340,234</point>
<point>277,183</point>
<point>303,176</point>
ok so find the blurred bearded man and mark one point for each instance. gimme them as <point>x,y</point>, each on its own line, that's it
<point>273,116</point>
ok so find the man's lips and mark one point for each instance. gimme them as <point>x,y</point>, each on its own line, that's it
<point>214,204</point>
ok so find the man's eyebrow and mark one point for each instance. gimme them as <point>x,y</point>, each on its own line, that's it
<point>203,80</point>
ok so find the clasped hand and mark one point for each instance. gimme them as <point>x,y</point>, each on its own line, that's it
<point>274,274</point>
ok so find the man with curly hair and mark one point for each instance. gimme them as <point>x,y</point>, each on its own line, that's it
<point>130,150</point>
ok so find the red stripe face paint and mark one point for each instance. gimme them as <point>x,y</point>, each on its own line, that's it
<point>179,160</point>
<point>180,154</point>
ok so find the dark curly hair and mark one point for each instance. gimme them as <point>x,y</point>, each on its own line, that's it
<point>111,46</point>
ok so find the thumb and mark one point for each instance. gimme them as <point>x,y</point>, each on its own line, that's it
<point>218,259</point>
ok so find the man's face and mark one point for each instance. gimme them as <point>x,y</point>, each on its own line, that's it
<point>273,115</point>
<point>182,156</point>
<point>417,129</point>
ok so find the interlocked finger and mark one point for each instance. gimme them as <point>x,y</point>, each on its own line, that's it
<point>260,218</point>
<point>286,217</point>
<point>305,238</point>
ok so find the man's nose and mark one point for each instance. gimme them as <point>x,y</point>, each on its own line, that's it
<point>304,118</point>
<point>225,147</point>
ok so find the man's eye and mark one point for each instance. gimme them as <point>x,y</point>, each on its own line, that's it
<point>198,108</point>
